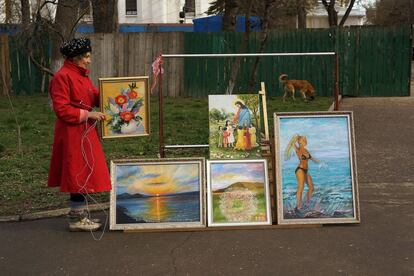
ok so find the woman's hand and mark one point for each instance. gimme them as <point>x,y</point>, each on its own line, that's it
<point>98,116</point>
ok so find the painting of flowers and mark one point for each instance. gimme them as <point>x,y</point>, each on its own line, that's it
<point>234,122</point>
<point>125,102</point>
<point>315,168</point>
<point>157,194</point>
<point>238,193</point>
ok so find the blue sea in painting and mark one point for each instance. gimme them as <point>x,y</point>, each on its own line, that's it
<point>158,209</point>
<point>328,142</point>
<point>332,196</point>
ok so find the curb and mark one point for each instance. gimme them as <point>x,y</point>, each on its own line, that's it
<point>51,213</point>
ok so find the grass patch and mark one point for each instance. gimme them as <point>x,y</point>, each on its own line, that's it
<point>23,178</point>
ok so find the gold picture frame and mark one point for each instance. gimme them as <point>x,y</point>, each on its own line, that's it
<point>125,103</point>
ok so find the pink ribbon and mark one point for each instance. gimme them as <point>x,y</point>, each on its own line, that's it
<point>156,70</point>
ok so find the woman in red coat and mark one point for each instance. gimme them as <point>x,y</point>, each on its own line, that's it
<point>78,163</point>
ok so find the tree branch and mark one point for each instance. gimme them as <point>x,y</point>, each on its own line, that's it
<point>348,11</point>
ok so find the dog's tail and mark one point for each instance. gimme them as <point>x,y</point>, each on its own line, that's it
<point>283,78</point>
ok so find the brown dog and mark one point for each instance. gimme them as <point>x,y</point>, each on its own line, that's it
<point>290,86</point>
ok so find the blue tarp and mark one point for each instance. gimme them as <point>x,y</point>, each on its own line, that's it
<point>214,23</point>
<point>131,28</point>
<point>10,29</point>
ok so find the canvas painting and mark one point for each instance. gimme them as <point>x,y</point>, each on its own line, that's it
<point>316,168</point>
<point>157,194</point>
<point>234,126</point>
<point>125,103</point>
<point>238,193</point>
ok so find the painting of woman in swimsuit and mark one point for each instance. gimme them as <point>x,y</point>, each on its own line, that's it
<point>302,173</point>
<point>324,190</point>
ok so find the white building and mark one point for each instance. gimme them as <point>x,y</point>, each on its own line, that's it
<point>160,11</point>
<point>318,17</point>
<point>168,12</point>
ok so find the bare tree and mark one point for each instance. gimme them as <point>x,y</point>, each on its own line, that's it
<point>11,12</point>
<point>67,16</point>
<point>236,66</point>
<point>301,10</point>
<point>333,13</point>
<point>105,16</point>
<point>42,29</point>
<point>266,11</point>
<point>25,9</point>
<point>388,12</point>
<point>229,9</point>
<point>8,11</point>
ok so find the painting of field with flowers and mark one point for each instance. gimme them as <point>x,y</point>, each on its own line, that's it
<point>238,193</point>
<point>124,101</point>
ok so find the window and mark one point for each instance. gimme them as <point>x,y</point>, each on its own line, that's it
<point>189,6</point>
<point>131,7</point>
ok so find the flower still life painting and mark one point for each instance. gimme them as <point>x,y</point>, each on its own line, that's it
<point>238,193</point>
<point>315,168</point>
<point>234,122</point>
<point>157,194</point>
<point>125,103</point>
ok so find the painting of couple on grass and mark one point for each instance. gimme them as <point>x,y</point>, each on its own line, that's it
<point>234,126</point>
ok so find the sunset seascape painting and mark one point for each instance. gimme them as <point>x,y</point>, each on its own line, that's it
<point>157,194</point>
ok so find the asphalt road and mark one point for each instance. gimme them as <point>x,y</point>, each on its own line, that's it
<point>383,244</point>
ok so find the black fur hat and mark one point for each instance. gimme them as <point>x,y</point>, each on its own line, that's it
<point>76,47</point>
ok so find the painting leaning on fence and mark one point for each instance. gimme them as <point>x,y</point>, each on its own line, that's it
<point>315,168</point>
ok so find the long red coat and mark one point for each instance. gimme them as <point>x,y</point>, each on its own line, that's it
<point>72,94</point>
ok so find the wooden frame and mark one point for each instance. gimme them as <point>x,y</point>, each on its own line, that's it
<point>125,102</point>
<point>330,143</point>
<point>239,185</point>
<point>156,194</point>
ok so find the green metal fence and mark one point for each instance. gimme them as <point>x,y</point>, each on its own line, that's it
<point>374,61</point>
<point>26,77</point>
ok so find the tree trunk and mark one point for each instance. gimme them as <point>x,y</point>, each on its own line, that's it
<point>264,34</point>
<point>8,11</point>
<point>348,11</point>
<point>236,66</point>
<point>66,19</point>
<point>105,16</point>
<point>25,8</point>
<point>230,14</point>
<point>301,14</point>
<point>332,13</point>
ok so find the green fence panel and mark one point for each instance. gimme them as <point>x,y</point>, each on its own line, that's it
<point>26,77</point>
<point>373,61</point>
<point>213,76</point>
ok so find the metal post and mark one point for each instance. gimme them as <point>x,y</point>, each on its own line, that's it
<point>160,114</point>
<point>336,80</point>
<point>163,147</point>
